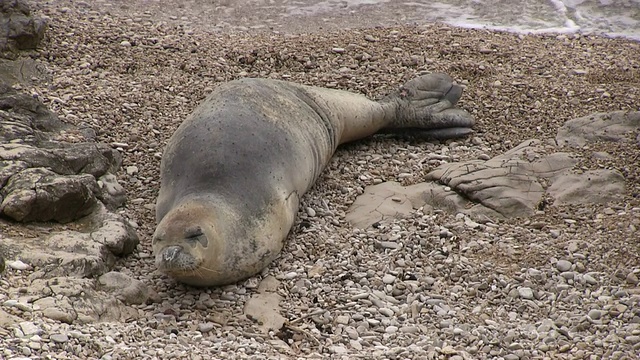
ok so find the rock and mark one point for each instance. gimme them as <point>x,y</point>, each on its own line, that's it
<point>87,253</point>
<point>388,244</point>
<point>311,212</point>
<point>614,126</point>
<point>24,117</point>
<point>569,275</point>
<point>391,329</point>
<point>23,70</point>
<point>595,314</point>
<point>563,265</point>
<point>128,290</point>
<point>264,307</point>
<point>29,328</point>
<point>111,193</point>
<point>388,279</point>
<point>38,194</point>
<point>509,185</point>
<point>342,319</point>
<point>67,315</point>
<point>595,187</point>
<point>206,327</point>
<point>338,349</point>
<point>20,29</point>
<point>42,178</point>
<point>525,293</point>
<point>506,186</point>
<point>355,344</point>
<point>410,329</point>
<point>52,171</point>
<point>352,333</point>
<point>132,170</point>
<point>7,319</point>
<point>74,300</point>
<point>589,279</point>
<point>386,200</point>
<point>18,265</point>
<point>370,38</point>
<point>59,338</point>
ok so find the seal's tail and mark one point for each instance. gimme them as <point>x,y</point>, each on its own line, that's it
<point>425,106</point>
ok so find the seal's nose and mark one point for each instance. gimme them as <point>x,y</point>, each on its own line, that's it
<point>170,253</point>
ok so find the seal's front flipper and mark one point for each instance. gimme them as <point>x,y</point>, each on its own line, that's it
<point>426,105</point>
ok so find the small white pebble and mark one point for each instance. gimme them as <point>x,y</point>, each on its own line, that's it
<point>18,265</point>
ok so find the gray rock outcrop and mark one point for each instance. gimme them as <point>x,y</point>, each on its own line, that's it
<point>18,29</point>
<point>615,126</point>
<point>514,184</point>
<point>43,178</point>
<point>52,172</point>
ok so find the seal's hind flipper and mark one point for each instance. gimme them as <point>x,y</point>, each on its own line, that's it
<point>428,103</point>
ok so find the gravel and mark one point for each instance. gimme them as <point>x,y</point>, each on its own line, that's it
<point>562,284</point>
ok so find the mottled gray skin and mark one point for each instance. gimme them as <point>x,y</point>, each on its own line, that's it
<point>233,173</point>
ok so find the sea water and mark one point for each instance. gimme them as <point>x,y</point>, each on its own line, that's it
<point>604,17</point>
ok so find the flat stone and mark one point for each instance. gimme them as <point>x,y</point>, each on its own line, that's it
<point>633,339</point>
<point>206,327</point>
<point>18,265</point>
<point>410,329</point>
<point>342,319</point>
<point>338,349</point>
<point>59,338</point>
<point>569,275</point>
<point>388,279</point>
<point>589,279</point>
<point>132,170</point>
<point>355,344</point>
<point>29,328</point>
<point>352,333</point>
<point>563,265</point>
<point>391,329</point>
<point>608,127</point>
<point>595,314</point>
<point>525,293</point>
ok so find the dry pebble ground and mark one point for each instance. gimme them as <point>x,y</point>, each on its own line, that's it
<point>563,284</point>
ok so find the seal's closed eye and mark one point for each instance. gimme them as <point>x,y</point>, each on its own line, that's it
<point>194,234</point>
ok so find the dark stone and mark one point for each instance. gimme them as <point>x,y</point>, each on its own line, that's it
<point>19,30</point>
<point>38,194</point>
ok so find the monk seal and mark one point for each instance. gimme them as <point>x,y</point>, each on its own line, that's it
<point>233,172</point>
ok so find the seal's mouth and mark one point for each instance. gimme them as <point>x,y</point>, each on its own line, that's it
<point>175,260</point>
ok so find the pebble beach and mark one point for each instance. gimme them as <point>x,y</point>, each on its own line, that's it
<point>561,284</point>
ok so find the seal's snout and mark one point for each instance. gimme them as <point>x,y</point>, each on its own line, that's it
<point>171,253</point>
<point>175,259</point>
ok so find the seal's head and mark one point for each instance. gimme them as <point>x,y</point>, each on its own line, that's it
<point>187,246</point>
